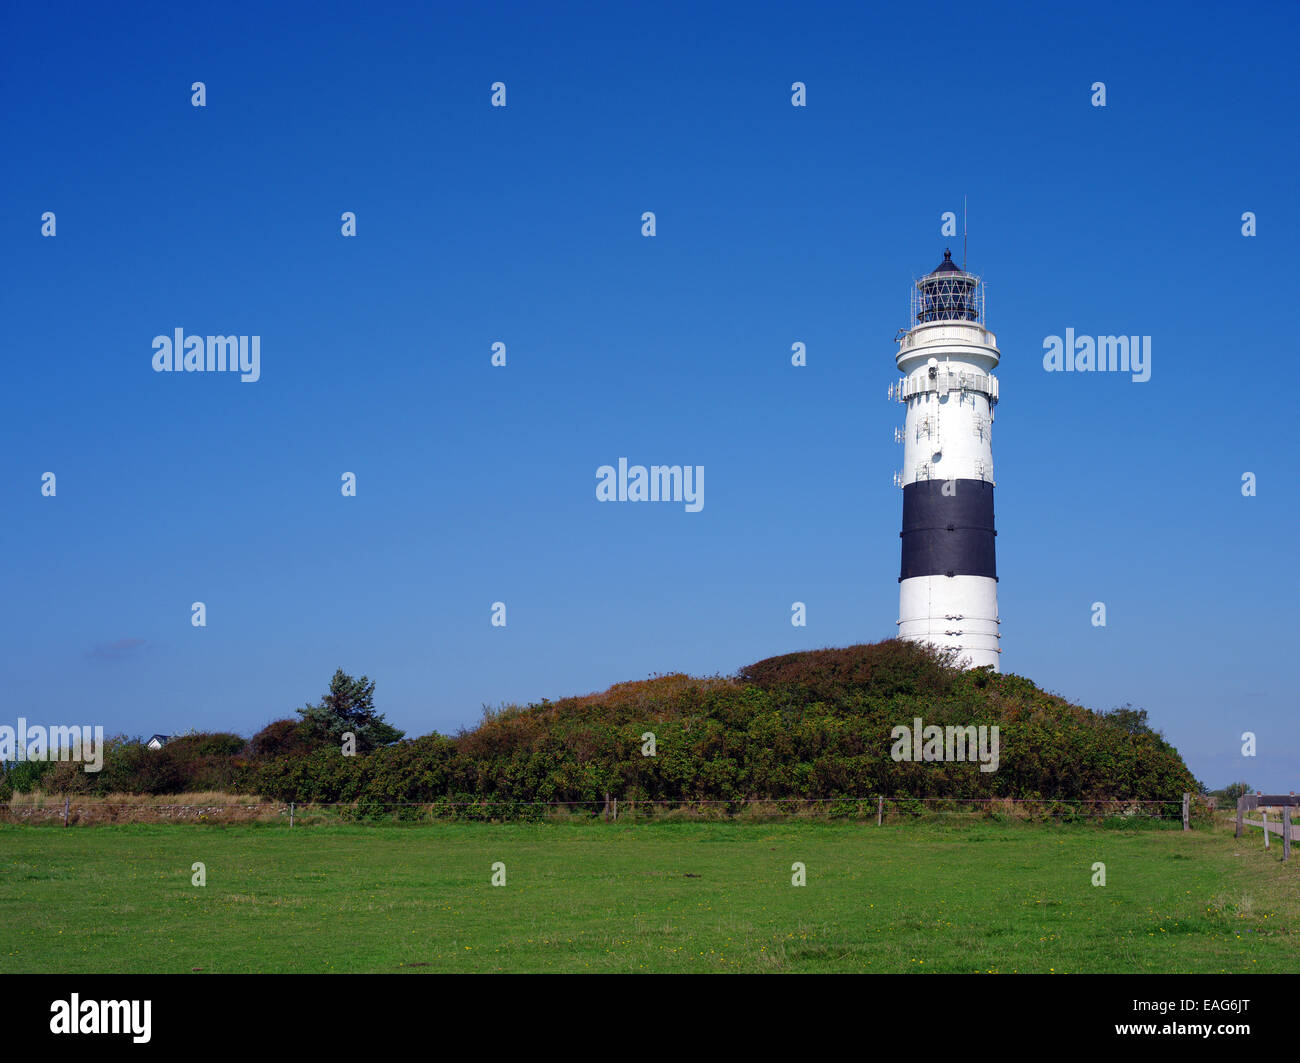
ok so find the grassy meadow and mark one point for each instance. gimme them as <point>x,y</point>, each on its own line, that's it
<point>650,897</point>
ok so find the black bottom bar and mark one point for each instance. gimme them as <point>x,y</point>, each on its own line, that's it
<point>1149,1013</point>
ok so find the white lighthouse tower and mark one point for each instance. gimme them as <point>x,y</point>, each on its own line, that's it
<point>948,587</point>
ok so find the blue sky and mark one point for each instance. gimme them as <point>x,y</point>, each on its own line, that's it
<point>522,225</point>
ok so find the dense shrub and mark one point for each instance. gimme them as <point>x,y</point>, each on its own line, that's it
<point>27,775</point>
<point>219,744</point>
<point>282,738</point>
<point>880,669</point>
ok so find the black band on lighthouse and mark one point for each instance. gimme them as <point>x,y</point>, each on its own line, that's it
<point>948,534</point>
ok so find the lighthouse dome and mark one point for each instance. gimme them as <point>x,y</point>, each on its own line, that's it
<point>946,266</point>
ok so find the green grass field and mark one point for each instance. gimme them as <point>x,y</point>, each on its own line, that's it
<point>654,897</point>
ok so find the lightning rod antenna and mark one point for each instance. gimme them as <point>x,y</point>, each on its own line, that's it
<point>963,234</point>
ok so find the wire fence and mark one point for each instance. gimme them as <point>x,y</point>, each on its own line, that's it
<point>878,809</point>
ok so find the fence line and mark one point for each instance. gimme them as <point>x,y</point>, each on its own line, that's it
<point>92,810</point>
<point>1263,802</point>
<point>682,801</point>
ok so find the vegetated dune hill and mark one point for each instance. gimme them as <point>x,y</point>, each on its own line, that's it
<point>818,724</point>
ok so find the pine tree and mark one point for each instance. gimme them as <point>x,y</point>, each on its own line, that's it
<point>350,706</point>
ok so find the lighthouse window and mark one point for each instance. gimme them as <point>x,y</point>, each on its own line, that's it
<point>944,299</point>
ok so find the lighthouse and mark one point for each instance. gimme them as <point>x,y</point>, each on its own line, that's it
<point>948,585</point>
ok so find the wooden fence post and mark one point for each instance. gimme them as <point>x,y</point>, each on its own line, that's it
<point>1241,814</point>
<point>1286,833</point>
<point>1263,815</point>
<point>1187,811</point>
<point>291,813</point>
<point>616,808</point>
<point>67,802</point>
<point>880,811</point>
